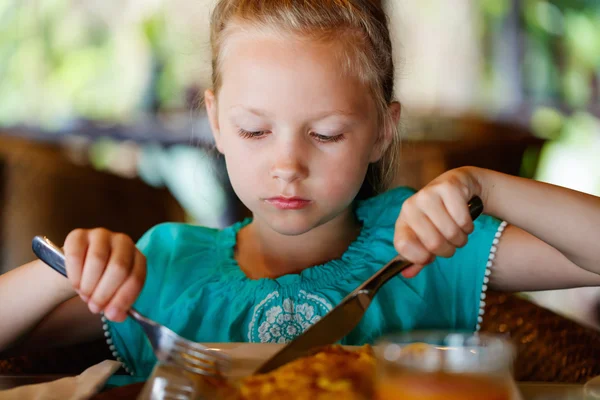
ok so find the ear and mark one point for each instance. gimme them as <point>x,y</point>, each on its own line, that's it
<point>385,139</point>
<point>395,110</point>
<point>212,111</point>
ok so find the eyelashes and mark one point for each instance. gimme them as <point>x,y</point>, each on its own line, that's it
<point>327,139</point>
<point>251,134</point>
<point>318,137</point>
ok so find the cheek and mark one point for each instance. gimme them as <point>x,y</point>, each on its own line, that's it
<point>241,180</point>
<point>239,165</point>
<point>345,180</point>
<point>242,166</point>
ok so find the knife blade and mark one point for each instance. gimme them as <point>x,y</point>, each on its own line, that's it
<point>340,321</point>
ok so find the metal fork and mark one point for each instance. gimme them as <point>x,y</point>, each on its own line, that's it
<point>164,389</point>
<point>169,347</point>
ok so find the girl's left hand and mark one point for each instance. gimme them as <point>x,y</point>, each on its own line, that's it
<point>435,221</point>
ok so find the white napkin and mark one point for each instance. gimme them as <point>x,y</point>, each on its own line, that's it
<point>78,387</point>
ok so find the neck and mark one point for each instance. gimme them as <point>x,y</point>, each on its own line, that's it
<point>263,253</point>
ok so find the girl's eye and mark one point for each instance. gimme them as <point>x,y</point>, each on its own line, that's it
<point>260,134</point>
<point>327,139</point>
<point>252,134</point>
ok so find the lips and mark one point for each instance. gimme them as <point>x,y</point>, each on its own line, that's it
<point>288,203</point>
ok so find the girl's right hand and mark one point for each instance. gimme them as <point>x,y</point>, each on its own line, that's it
<point>105,269</point>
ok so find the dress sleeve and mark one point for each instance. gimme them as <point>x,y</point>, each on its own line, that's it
<point>464,277</point>
<point>126,339</point>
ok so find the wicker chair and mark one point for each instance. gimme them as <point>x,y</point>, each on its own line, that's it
<point>550,348</point>
<point>43,192</point>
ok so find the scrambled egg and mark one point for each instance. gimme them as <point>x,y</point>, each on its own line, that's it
<point>332,373</point>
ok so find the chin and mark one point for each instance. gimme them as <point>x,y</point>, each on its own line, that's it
<point>291,225</point>
<point>289,229</point>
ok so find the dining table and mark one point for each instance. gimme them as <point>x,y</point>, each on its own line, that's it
<point>528,390</point>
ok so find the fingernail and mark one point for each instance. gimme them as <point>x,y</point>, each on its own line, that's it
<point>94,308</point>
<point>112,313</point>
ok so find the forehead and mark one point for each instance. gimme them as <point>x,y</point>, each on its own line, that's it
<point>267,66</point>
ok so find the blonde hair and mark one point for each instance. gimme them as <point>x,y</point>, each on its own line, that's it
<point>362,24</point>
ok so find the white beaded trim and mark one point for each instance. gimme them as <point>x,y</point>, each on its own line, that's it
<point>488,272</point>
<point>112,347</point>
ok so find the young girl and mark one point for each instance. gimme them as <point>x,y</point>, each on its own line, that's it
<point>302,110</point>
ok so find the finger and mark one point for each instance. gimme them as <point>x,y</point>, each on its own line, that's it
<point>120,264</point>
<point>76,245</point>
<point>437,213</point>
<point>428,235</point>
<point>412,271</point>
<point>128,292</point>
<point>458,209</point>
<point>96,259</point>
<point>409,246</point>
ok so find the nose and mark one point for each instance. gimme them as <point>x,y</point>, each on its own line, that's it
<point>289,164</point>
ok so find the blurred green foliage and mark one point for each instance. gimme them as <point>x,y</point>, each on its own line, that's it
<point>114,61</point>
<point>62,60</point>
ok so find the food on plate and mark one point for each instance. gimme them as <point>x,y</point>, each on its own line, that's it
<point>333,372</point>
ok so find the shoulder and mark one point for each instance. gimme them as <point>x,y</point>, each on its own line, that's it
<point>173,248</point>
<point>171,235</point>
<point>180,257</point>
<point>374,246</point>
<point>383,209</point>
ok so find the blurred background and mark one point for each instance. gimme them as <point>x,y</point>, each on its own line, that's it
<point>101,121</point>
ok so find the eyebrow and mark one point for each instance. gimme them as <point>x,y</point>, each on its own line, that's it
<point>251,110</point>
<point>318,117</point>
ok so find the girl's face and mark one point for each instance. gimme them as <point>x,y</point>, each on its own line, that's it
<point>296,133</point>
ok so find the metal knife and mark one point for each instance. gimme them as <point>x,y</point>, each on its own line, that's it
<point>346,315</point>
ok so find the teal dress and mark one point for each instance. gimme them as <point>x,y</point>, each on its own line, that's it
<point>195,287</point>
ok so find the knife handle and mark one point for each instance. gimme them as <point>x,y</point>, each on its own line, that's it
<point>397,265</point>
<point>475,207</point>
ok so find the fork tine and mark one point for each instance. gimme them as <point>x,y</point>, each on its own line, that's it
<point>219,368</point>
<point>177,392</point>
<point>201,368</point>
<point>201,362</point>
<point>172,396</point>
<point>177,395</point>
<point>188,344</point>
<point>201,371</point>
<point>165,389</point>
<point>203,354</point>
<point>178,388</point>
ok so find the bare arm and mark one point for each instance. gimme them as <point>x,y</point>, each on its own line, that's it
<point>68,324</point>
<point>526,263</point>
<point>35,301</point>
<point>38,306</point>
<point>566,220</point>
<point>552,243</point>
